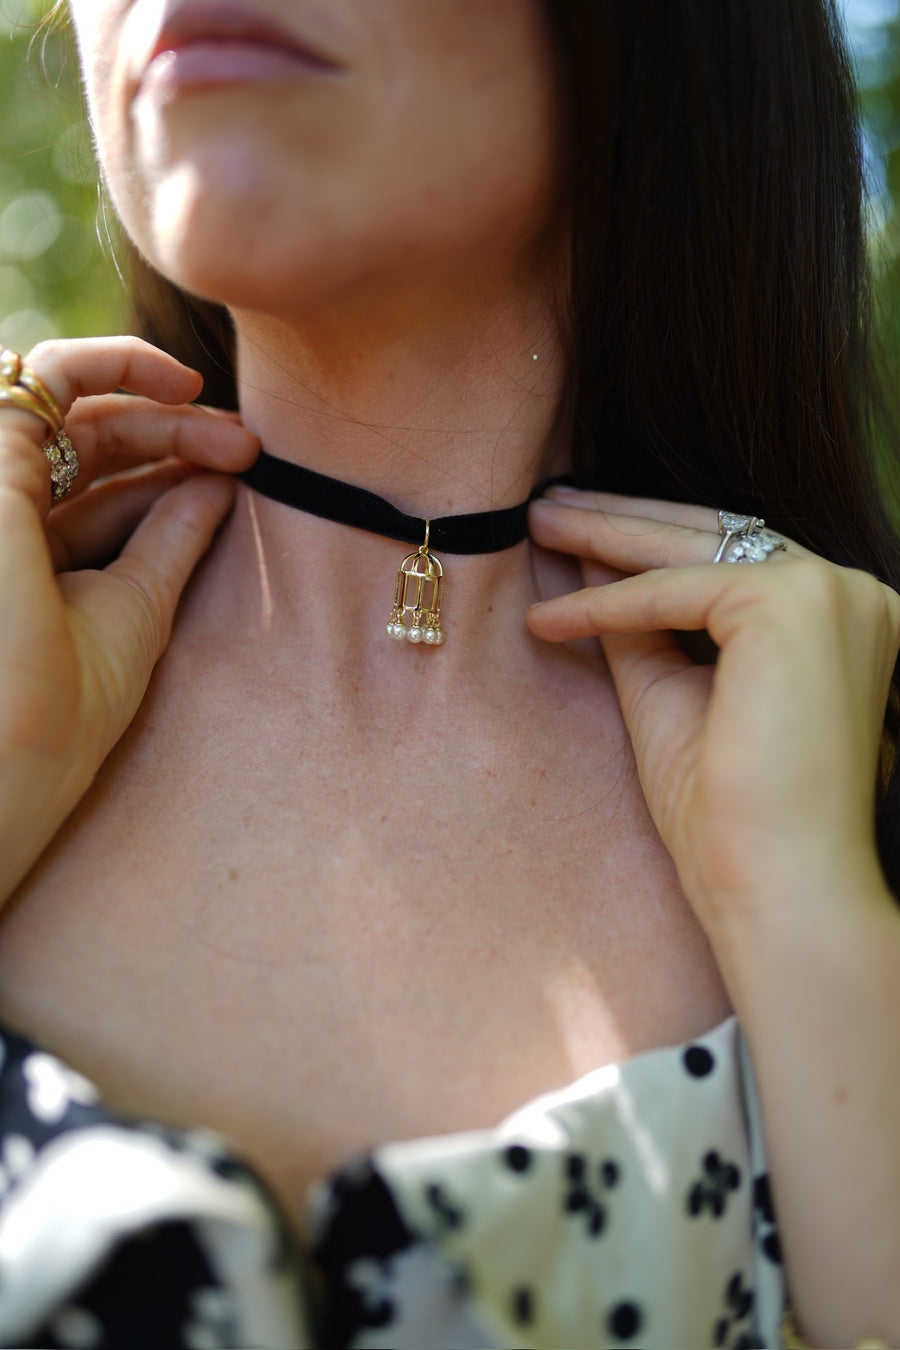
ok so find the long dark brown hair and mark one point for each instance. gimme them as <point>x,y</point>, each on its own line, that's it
<point>718,321</point>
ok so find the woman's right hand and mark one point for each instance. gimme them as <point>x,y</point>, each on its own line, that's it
<point>79,640</point>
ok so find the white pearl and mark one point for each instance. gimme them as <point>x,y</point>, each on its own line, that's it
<point>414,635</point>
<point>396,630</point>
<point>438,637</point>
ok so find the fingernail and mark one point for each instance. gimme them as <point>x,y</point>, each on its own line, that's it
<point>560,494</point>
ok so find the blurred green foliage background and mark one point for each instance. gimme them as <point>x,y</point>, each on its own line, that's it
<point>876,41</point>
<point>57,264</point>
<point>57,276</point>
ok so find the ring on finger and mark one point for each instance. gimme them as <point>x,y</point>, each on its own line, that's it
<point>21,388</point>
<point>744,539</point>
<point>63,461</point>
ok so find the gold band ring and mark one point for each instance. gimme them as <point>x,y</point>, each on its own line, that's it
<point>21,388</point>
<point>35,385</point>
<point>19,397</point>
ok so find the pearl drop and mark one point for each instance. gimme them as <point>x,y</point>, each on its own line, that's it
<point>438,636</point>
<point>396,630</point>
<point>414,635</point>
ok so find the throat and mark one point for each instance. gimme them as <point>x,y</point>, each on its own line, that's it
<point>467,533</point>
<point>415,615</point>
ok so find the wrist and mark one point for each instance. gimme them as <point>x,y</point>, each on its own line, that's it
<point>807,927</point>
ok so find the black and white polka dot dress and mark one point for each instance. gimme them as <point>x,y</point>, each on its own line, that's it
<point>629,1209</point>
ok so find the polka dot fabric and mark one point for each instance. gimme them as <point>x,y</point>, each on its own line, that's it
<point>629,1209</point>
<point>117,1235</point>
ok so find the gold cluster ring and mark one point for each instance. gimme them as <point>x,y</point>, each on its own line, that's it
<point>21,388</point>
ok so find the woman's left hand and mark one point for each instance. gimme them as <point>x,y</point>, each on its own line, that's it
<point>760,774</point>
<point>759,771</point>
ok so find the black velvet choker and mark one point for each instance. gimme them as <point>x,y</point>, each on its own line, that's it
<point>475,532</point>
<point>416,613</point>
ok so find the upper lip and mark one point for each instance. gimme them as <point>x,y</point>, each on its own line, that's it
<point>191,24</point>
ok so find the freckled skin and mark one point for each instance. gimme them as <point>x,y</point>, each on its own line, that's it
<point>378,867</point>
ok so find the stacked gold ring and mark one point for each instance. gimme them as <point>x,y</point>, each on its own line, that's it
<point>21,388</point>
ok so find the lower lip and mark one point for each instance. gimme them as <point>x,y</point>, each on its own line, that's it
<point>205,64</point>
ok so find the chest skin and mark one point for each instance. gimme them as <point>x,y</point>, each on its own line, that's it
<point>316,937</point>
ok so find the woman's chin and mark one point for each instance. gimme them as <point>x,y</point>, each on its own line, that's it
<point>228,280</point>
<point>224,246</point>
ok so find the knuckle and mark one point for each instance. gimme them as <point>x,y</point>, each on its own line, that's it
<point>50,349</point>
<point>814,583</point>
<point>132,346</point>
<point>590,606</point>
<point>669,551</point>
<point>874,597</point>
<point>845,595</point>
<point>50,361</point>
<point>149,630</point>
<point>892,605</point>
<point>889,606</point>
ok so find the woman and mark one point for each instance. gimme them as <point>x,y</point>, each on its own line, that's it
<point>466,248</point>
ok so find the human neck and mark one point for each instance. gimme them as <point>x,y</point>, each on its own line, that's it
<point>439,406</point>
<point>439,419</point>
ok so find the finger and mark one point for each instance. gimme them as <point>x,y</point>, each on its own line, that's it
<point>688,598</point>
<point>90,530</point>
<point>646,663</point>
<point>27,589</point>
<point>630,543</point>
<point>651,508</point>
<point>76,367</point>
<point>127,625</point>
<point>164,550</point>
<point>697,646</point>
<point>224,414</point>
<point>23,471</point>
<point>114,432</point>
<point>595,573</point>
<point>31,618</point>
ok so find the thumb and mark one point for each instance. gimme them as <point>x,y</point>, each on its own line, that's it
<point>126,626</point>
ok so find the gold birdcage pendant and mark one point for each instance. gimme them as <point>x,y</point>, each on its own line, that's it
<point>416,616</point>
